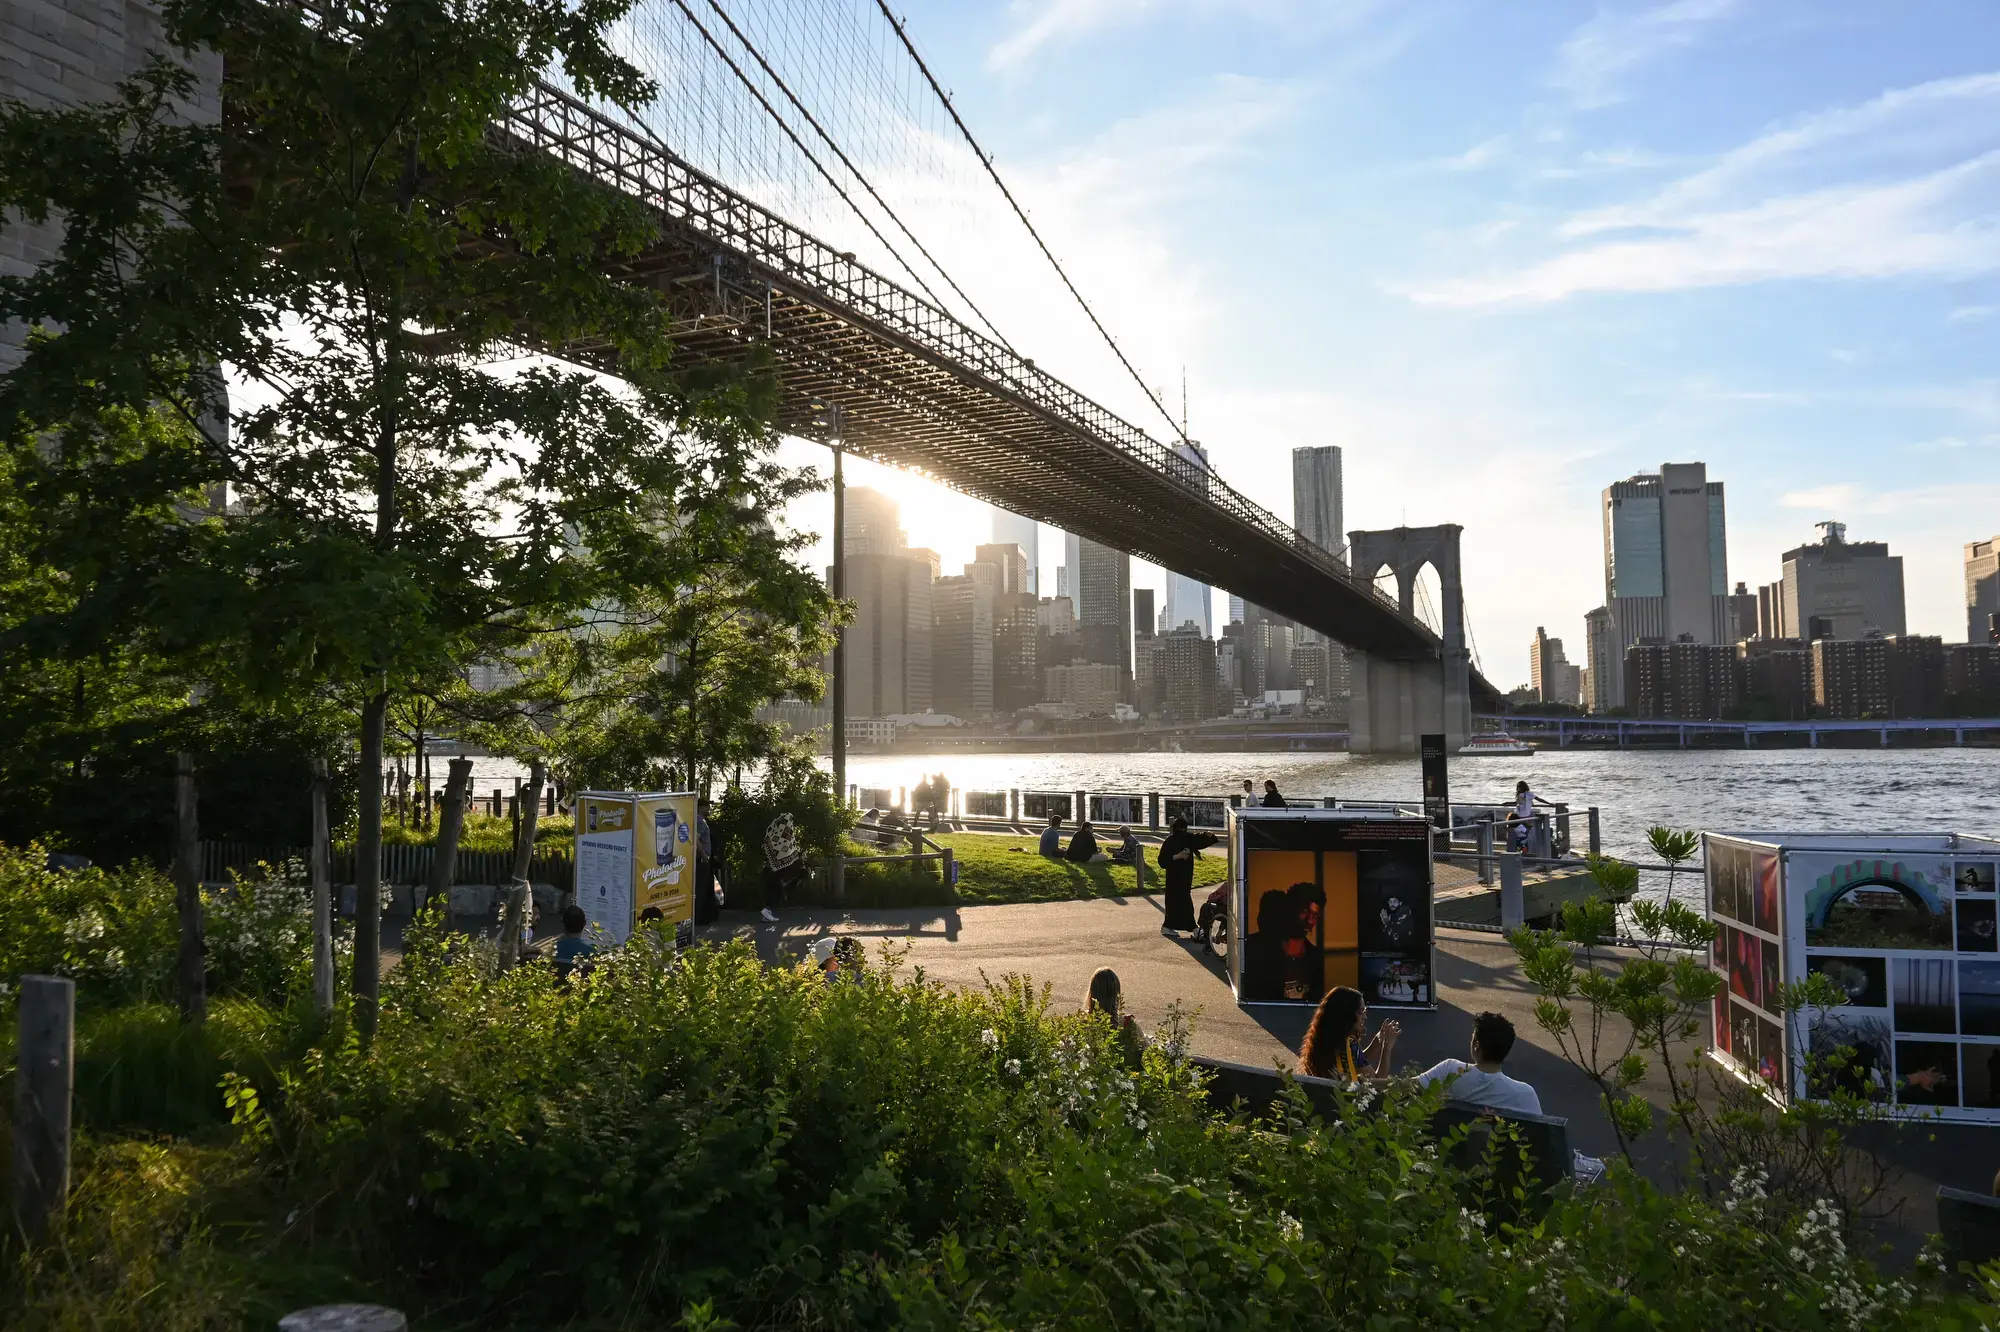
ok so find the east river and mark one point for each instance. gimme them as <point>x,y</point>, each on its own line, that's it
<point>1757,790</point>
<point>1788,790</point>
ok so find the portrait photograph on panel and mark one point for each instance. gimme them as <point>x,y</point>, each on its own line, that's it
<point>1925,993</point>
<point>1976,933</point>
<point>1773,1064</point>
<point>1973,876</point>
<point>1864,980</point>
<point>1851,1052</point>
<point>1746,966</point>
<point>1981,1067</point>
<point>1763,886</point>
<point>1979,998</point>
<point>1719,1020</point>
<point>1722,888</point>
<point>1774,972</point>
<point>1743,1034</point>
<point>1927,1072</point>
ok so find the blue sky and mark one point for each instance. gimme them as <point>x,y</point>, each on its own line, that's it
<point>1506,254</point>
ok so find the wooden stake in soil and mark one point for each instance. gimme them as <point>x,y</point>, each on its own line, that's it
<point>322,892</point>
<point>191,975</point>
<point>43,1079</point>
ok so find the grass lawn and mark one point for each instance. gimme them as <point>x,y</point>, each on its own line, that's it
<point>1008,869</point>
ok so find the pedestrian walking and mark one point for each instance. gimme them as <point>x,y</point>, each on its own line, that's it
<point>1176,859</point>
<point>1272,800</point>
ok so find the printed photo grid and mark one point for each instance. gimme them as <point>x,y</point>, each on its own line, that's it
<point>1912,943</point>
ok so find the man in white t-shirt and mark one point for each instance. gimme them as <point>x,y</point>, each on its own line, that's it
<point>1481,1083</point>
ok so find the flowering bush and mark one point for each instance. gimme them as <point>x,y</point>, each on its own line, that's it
<point>113,932</point>
<point>116,932</point>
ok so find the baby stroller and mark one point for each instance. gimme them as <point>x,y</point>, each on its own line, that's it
<point>1212,921</point>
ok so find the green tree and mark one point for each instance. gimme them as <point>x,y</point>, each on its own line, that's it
<point>409,489</point>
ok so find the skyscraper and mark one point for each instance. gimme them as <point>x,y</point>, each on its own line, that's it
<point>1187,598</point>
<point>1550,673</point>
<point>1017,659</point>
<point>962,646</point>
<point>1319,513</point>
<point>1142,610</point>
<point>1016,568</point>
<point>1982,588</point>
<point>888,645</point>
<point>1836,588</point>
<point>1069,576</point>
<point>1104,605</point>
<point>1666,566</point>
<point>874,524</point>
<point>1011,529</point>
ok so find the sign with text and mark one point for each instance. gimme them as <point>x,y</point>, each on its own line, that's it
<point>1437,781</point>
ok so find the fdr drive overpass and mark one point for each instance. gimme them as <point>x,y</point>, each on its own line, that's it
<point>912,386</point>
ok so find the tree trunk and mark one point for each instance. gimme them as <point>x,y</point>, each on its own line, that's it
<point>451,825</point>
<point>368,870</point>
<point>191,978</point>
<point>322,893</point>
<point>520,896</point>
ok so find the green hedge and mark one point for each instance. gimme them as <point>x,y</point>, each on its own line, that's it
<point>710,1142</point>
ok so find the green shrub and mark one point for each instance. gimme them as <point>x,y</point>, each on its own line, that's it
<point>713,1138</point>
<point>793,784</point>
<point>114,932</point>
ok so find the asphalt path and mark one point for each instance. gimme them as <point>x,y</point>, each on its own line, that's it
<point>1060,945</point>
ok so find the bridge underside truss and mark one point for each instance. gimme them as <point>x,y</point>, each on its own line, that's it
<point>915,388</point>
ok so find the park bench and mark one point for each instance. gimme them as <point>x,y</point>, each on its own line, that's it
<point>1533,1159</point>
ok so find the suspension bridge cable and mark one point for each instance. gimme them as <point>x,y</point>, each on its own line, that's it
<point>854,170</point>
<point>772,111</point>
<point>986,161</point>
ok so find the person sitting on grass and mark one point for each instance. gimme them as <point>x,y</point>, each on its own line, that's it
<point>1129,851</point>
<point>572,949</point>
<point>1106,997</point>
<point>1083,846</point>
<point>1052,846</point>
<point>1337,1044</point>
<point>1481,1083</point>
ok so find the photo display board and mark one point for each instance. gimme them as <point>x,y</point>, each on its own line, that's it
<point>635,852</point>
<point>1325,898</point>
<point>1904,924</point>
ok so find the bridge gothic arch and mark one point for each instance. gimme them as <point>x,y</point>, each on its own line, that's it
<point>1392,703</point>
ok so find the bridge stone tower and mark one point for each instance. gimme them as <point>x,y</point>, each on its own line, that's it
<point>66,53</point>
<point>1393,702</point>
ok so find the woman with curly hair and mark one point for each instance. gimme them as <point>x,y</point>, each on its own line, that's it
<point>1337,1044</point>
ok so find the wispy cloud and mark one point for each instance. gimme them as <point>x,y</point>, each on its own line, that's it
<point>1615,43</point>
<point>1042,24</point>
<point>1906,184</point>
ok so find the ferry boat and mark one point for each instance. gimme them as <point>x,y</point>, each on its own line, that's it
<point>1497,743</point>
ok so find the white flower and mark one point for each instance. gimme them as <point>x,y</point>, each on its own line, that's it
<point>1013,1067</point>
<point>1291,1228</point>
<point>991,1037</point>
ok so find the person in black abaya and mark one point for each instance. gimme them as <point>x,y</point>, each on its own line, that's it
<point>1176,857</point>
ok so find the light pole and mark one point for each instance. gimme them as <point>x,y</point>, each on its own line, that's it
<point>839,589</point>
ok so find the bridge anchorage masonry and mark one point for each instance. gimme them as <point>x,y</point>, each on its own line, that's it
<point>1394,702</point>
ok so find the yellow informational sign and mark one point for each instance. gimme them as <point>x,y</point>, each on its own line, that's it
<point>635,854</point>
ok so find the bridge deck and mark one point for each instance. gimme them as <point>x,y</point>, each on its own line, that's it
<point>917,389</point>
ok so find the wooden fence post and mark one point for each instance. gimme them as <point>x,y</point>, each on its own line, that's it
<point>322,893</point>
<point>43,1077</point>
<point>191,975</point>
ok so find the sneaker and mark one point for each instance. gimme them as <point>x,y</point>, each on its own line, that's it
<point>1171,934</point>
<point>770,915</point>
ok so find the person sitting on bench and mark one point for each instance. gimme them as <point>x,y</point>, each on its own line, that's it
<point>1481,1083</point>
